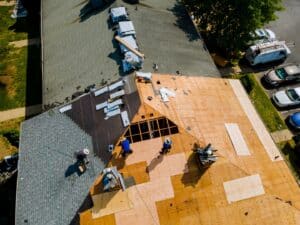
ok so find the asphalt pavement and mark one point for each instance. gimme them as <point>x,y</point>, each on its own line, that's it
<point>287,27</point>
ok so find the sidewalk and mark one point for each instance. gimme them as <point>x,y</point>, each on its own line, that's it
<point>256,121</point>
<point>26,42</point>
<point>20,112</point>
<point>5,3</point>
<point>282,135</point>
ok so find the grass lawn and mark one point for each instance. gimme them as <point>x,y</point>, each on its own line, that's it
<point>15,63</point>
<point>292,156</point>
<point>262,103</point>
<point>7,127</point>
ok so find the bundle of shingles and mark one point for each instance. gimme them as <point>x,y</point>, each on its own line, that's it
<point>112,106</point>
<point>126,36</point>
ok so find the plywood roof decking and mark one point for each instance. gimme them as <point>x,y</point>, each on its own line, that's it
<point>237,139</point>
<point>256,122</point>
<point>103,131</point>
<point>243,188</point>
<point>200,109</point>
<point>110,202</point>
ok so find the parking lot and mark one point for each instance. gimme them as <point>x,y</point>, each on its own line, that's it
<point>287,28</point>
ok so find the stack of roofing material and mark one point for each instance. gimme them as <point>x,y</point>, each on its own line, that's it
<point>112,106</point>
<point>131,61</point>
<point>131,41</point>
<point>126,28</point>
<point>118,14</point>
<point>127,33</point>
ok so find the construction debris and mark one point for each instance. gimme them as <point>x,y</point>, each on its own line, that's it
<point>166,93</point>
<point>144,76</point>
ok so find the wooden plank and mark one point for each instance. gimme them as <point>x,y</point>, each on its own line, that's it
<point>243,188</point>
<point>237,139</point>
<point>127,45</point>
<point>256,122</point>
<point>110,202</point>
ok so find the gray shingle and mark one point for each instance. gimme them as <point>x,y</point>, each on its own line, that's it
<point>82,53</point>
<point>44,194</point>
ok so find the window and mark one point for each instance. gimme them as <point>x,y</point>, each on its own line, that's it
<point>281,73</point>
<point>148,129</point>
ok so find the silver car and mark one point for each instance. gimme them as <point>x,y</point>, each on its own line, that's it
<point>287,97</point>
<point>283,75</point>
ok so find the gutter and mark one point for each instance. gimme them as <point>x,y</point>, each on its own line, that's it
<point>42,51</point>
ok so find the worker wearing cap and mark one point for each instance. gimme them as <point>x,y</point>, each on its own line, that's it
<point>167,145</point>
<point>125,147</point>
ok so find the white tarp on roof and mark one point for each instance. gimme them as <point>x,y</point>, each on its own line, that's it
<point>165,93</point>
<point>131,41</point>
<point>126,28</point>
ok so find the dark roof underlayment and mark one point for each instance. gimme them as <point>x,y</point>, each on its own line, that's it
<point>80,50</point>
<point>49,189</point>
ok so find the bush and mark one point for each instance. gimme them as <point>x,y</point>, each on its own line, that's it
<point>248,83</point>
<point>13,137</point>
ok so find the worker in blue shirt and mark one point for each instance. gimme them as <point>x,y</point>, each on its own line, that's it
<point>125,147</point>
<point>167,145</point>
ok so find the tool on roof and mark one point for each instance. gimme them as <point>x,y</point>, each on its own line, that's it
<point>206,155</point>
<point>82,159</point>
<point>112,179</point>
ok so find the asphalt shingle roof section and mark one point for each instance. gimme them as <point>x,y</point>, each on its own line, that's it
<point>104,131</point>
<point>49,190</point>
<point>47,194</point>
<point>78,51</point>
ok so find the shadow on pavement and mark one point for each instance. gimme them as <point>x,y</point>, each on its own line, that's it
<point>31,25</point>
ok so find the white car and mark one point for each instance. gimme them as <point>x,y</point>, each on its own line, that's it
<point>287,97</point>
<point>263,33</point>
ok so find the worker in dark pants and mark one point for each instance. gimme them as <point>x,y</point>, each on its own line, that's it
<point>125,147</point>
<point>167,145</point>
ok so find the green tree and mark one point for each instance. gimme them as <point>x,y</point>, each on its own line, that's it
<point>228,23</point>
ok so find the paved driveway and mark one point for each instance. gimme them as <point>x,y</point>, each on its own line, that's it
<point>287,27</point>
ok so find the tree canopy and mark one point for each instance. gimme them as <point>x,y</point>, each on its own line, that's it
<point>228,23</point>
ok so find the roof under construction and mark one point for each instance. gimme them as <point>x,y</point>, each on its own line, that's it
<point>79,47</point>
<point>50,188</point>
<point>248,184</point>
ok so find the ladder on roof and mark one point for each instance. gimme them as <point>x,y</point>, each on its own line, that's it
<point>271,45</point>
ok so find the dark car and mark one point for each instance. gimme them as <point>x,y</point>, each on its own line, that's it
<point>294,120</point>
<point>283,75</point>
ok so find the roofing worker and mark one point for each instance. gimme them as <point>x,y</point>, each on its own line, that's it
<point>125,147</point>
<point>167,145</point>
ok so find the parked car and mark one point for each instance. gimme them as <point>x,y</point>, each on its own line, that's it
<point>267,52</point>
<point>263,33</point>
<point>287,97</point>
<point>294,120</point>
<point>282,75</point>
